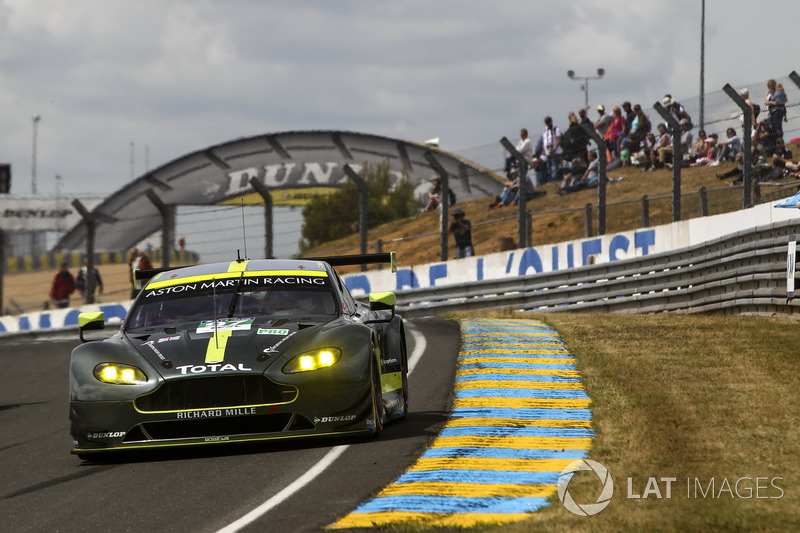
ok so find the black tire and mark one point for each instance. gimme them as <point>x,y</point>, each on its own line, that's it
<point>404,359</point>
<point>378,409</point>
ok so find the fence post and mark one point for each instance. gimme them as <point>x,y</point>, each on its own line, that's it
<point>601,182</point>
<point>261,189</point>
<point>703,202</point>
<point>524,236</point>
<point>444,202</point>
<point>363,209</point>
<point>379,246</point>
<point>645,212</point>
<point>91,228</point>
<point>677,159</point>
<point>587,225</point>
<point>167,226</point>
<point>756,192</point>
<point>747,153</point>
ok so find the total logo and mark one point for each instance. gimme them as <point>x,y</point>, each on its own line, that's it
<point>603,475</point>
<point>200,369</point>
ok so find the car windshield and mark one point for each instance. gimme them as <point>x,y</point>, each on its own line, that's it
<point>194,301</point>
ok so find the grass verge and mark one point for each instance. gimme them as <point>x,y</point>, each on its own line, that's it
<point>702,399</point>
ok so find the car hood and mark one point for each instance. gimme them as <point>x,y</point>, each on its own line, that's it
<point>226,346</point>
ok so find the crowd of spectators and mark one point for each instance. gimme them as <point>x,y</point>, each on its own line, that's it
<point>631,139</point>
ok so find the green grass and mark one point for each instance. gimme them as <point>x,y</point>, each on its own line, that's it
<point>691,397</point>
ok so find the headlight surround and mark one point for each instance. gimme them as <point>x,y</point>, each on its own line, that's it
<point>314,360</point>
<point>119,374</point>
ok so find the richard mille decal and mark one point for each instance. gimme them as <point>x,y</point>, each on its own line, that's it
<point>214,413</point>
<point>200,369</point>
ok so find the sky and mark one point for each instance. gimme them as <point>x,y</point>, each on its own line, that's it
<point>123,86</point>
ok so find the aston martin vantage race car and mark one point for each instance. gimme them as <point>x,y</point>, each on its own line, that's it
<point>240,351</point>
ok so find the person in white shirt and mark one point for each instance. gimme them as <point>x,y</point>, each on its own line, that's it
<point>551,149</point>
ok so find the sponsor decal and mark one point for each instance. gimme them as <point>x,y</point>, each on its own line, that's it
<point>106,435</point>
<point>201,369</point>
<point>216,439</point>
<point>225,324</point>
<point>274,347</point>
<point>232,283</point>
<point>168,339</point>
<point>330,419</point>
<point>215,413</point>
<point>268,331</point>
<point>151,344</point>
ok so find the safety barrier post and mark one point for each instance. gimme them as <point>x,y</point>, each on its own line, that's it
<point>747,153</point>
<point>363,209</point>
<point>268,218</point>
<point>677,158</point>
<point>523,233</point>
<point>645,211</point>
<point>167,226</point>
<point>91,229</point>
<point>444,201</point>
<point>601,182</point>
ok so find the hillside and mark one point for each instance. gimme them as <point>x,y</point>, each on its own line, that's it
<point>555,219</point>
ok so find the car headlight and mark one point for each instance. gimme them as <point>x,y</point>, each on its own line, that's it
<point>322,358</point>
<point>119,374</point>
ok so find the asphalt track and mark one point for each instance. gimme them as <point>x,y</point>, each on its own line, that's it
<point>487,453</point>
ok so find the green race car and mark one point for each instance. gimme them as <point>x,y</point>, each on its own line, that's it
<point>240,351</point>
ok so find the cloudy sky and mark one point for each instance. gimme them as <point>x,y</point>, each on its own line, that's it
<point>175,76</point>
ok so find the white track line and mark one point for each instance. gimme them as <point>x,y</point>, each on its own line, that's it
<point>325,462</point>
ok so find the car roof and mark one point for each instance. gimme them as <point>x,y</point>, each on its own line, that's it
<point>233,269</point>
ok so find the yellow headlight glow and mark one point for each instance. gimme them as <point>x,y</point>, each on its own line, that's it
<point>315,360</point>
<point>119,374</point>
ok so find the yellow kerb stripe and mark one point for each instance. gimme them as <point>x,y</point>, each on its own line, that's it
<point>469,490</point>
<point>517,443</point>
<point>527,360</point>
<point>523,403</point>
<point>486,463</point>
<point>517,422</point>
<point>543,385</point>
<point>520,372</point>
<point>460,520</point>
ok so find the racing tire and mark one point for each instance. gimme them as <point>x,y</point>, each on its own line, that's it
<point>378,409</point>
<point>404,359</point>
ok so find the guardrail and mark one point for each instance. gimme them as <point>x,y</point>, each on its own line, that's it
<point>742,273</point>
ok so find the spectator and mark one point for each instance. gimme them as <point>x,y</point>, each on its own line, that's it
<point>589,178</point>
<point>641,154</point>
<point>675,109</point>
<point>461,228</point>
<point>435,195</point>
<point>551,139</point>
<point>80,281</point>
<point>575,140</point>
<point>137,261</point>
<point>615,130</point>
<point>699,149</point>
<point>745,94</point>
<point>730,147</point>
<point>760,168</point>
<point>640,126</point>
<point>603,121</point>
<point>710,155</point>
<point>765,137</point>
<point>524,147</point>
<point>62,287</point>
<point>775,101</point>
<point>630,114</point>
<point>782,158</point>
<point>663,140</point>
<point>665,155</point>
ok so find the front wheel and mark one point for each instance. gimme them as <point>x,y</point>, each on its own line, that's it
<point>378,409</point>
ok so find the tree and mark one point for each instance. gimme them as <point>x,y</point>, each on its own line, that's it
<point>335,215</point>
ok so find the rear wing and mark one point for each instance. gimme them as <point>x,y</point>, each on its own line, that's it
<point>358,259</point>
<point>142,275</point>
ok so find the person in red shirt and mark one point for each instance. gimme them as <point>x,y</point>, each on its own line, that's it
<point>62,287</point>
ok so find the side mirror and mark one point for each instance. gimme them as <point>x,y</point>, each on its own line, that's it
<point>382,301</point>
<point>91,322</point>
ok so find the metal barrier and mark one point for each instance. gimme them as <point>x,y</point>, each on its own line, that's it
<point>742,273</point>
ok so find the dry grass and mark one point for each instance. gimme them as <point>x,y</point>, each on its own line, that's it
<point>689,397</point>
